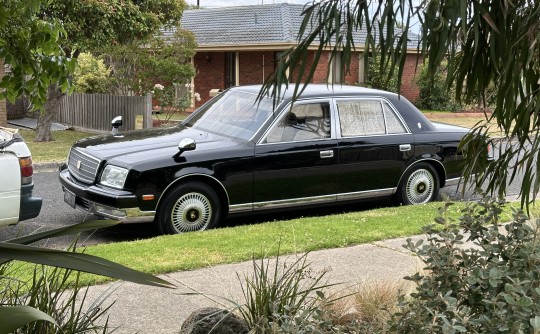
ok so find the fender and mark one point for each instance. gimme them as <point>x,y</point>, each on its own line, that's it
<point>438,166</point>
<point>196,176</point>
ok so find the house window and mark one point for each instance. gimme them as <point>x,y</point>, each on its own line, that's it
<point>230,69</point>
<point>336,69</point>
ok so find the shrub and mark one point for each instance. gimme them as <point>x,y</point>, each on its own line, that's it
<point>433,94</point>
<point>91,75</point>
<point>377,75</point>
<point>287,297</point>
<point>482,276</point>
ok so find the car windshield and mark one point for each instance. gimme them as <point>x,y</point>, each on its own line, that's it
<point>232,113</point>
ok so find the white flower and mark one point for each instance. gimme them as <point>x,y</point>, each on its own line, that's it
<point>159,86</point>
<point>197,97</point>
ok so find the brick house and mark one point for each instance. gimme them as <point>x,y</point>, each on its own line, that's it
<point>240,46</point>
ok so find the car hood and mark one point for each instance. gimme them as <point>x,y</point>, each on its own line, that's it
<point>147,144</point>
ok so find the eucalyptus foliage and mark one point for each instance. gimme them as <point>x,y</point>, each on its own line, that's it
<point>488,45</point>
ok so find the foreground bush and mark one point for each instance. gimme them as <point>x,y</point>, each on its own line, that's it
<point>56,292</point>
<point>481,276</point>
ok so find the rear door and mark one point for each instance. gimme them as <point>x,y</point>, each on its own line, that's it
<point>375,146</point>
<point>10,188</point>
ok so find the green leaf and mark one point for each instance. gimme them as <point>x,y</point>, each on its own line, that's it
<point>535,323</point>
<point>13,317</point>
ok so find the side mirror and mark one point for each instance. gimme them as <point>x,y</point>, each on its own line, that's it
<point>186,144</point>
<point>116,123</point>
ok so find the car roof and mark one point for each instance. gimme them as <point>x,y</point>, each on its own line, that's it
<point>321,90</point>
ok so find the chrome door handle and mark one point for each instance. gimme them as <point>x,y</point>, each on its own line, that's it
<point>327,154</point>
<point>405,147</point>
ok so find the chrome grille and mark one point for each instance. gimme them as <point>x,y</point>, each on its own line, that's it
<point>82,166</point>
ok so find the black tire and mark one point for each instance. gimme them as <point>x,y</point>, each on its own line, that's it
<point>193,206</point>
<point>419,184</point>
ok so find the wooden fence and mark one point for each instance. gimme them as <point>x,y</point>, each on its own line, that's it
<point>96,111</point>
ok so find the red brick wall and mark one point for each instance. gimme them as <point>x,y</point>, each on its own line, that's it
<point>351,78</point>
<point>409,89</point>
<point>209,69</point>
<point>255,66</point>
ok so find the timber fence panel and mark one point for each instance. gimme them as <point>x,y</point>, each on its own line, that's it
<point>96,111</point>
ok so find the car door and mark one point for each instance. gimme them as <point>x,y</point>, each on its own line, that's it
<point>375,146</point>
<point>296,160</point>
<point>10,189</point>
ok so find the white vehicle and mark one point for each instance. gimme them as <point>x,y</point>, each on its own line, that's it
<point>16,185</point>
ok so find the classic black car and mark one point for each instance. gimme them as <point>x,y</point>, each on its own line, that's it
<point>237,154</point>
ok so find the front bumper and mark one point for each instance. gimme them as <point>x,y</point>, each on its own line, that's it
<point>101,201</point>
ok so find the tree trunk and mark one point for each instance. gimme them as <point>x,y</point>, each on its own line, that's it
<point>47,115</point>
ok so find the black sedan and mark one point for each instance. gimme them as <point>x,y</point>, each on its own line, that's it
<point>241,154</point>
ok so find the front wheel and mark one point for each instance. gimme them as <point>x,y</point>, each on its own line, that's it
<point>419,185</point>
<point>193,206</point>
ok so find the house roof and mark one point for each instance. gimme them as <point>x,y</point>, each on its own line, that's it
<point>270,25</point>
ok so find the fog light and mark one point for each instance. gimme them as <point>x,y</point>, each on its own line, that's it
<point>110,212</point>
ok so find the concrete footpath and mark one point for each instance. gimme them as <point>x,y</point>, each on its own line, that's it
<point>146,309</point>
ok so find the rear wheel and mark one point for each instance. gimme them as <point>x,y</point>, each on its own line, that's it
<point>193,206</point>
<point>420,184</point>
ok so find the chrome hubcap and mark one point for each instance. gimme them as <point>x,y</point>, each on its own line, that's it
<point>420,187</point>
<point>191,212</point>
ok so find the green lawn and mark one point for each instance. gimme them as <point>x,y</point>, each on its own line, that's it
<point>52,151</point>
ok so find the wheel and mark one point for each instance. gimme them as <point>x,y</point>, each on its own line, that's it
<point>419,184</point>
<point>193,206</point>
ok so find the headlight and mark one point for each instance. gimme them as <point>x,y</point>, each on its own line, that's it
<point>113,176</point>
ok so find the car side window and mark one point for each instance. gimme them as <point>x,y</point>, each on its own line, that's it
<point>305,121</point>
<point>367,117</point>
<point>361,118</point>
<point>393,124</point>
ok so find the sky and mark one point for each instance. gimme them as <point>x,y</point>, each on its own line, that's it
<point>222,3</point>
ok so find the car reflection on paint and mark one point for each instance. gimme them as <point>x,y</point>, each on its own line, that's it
<point>240,154</point>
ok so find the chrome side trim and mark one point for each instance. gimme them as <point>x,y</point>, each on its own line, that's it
<point>240,208</point>
<point>293,202</point>
<point>366,194</point>
<point>453,182</point>
<point>247,207</point>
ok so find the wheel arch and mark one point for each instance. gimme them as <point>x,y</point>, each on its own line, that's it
<point>436,164</point>
<point>211,181</point>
